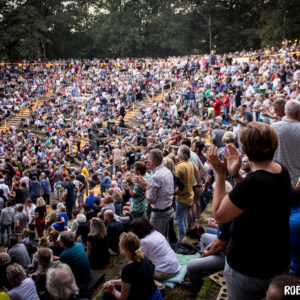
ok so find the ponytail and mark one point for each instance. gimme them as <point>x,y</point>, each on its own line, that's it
<point>138,255</point>
<point>130,242</point>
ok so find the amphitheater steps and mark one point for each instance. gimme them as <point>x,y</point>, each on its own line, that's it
<point>23,113</point>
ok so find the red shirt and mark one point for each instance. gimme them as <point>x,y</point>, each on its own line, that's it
<point>217,107</point>
<point>226,100</point>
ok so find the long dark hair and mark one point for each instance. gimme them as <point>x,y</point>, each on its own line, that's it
<point>141,227</point>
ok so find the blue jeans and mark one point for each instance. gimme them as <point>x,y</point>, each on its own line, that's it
<point>3,228</point>
<point>226,111</point>
<point>204,199</point>
<point>181,220</point>
<point>240,286</point>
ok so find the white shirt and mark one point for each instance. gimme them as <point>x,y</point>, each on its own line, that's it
<point>162,256</point>
<point>5,189</point>
<point>30,211</point>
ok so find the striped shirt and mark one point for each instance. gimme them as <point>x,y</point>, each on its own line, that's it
<point>288,151</point>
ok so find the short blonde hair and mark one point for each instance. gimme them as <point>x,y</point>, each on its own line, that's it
<point>4,259</point>
<point>228,138</point>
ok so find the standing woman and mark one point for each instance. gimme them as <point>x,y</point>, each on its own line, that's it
<point>40,216</point>
<point>137,281</point>
<point>97,244</point>
<point>259,208</point>
<point>46,188</point>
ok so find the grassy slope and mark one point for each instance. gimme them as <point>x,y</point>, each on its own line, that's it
<point>209,290</point>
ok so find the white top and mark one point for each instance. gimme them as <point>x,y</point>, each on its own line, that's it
<point>158,250</point>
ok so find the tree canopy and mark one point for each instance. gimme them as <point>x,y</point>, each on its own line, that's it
<point>140,28</point>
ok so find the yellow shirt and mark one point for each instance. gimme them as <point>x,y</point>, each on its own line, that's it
<point>185,171</point>
<point>4,296</point>
<point>85,172</point>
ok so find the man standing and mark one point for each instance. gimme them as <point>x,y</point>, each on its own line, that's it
<point>226,103</point>
<point>34,189</point>
<point>160,193</point>
<point>20,220</point>
<point>184,198</point>
<point>288,131</point>
<point>69,196</point>
<point>46,188</point>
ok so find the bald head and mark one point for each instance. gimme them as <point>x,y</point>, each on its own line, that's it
<point>109,215</point>
<point>292,109</point>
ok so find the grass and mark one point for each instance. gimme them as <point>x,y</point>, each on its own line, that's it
<point>209,289</point>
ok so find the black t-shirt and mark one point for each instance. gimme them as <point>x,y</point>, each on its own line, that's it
<point>83,230</point>
<point>70,197</point>
<point>81,178</point>
<point>41,210</point>
<point>21,195</point>
<point>140,276</point>
<point>131,157</point>
<point>238,97</point>
<point>259,243</point>
<point>99,256</point>
<point>114,230</point>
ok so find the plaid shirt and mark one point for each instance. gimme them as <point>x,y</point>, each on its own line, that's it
<point>161,188</point>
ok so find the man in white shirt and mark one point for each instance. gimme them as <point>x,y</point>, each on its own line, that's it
<point>29,209</point>
<point>249,90</point>
<point>5,188</point>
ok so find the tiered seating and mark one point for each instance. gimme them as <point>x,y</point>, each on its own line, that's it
<point>22,114</point>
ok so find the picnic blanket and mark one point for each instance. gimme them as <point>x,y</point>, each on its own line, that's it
<point>178,278</point>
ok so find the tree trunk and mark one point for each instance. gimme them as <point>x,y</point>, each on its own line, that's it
<point>209,33</point>
<point>284,19</point>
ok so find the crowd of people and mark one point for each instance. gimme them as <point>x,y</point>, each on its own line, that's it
<point>78,185</point>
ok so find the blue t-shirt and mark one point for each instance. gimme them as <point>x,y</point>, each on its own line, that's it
<point>78,261</point>
<point>295,238</point>
<point>61,226</point>
<point>90,201</point>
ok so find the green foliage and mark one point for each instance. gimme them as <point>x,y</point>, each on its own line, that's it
<point>139,28</point>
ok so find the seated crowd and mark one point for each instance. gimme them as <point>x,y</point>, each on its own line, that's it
<point>227,133</point>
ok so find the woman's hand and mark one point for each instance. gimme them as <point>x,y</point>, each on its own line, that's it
<point>108,287</point>
<point>233,159</point>
<point>213,158</point>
